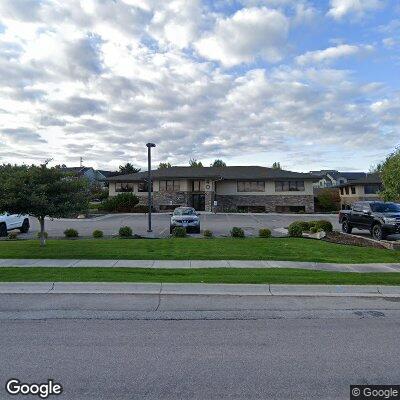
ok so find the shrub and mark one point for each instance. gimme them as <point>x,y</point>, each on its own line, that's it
<point>264,233</point>
<point>305,226</point>
<point>123,202</point>
<point>46,235</point>
<point>313,229</point>
<point>178,231</point>
<point>295,229</point>
<point>141,208</point>
<point>324,225</point>
<point>13,236</point>
<point>97,234</point>
<point>207,233</point>
<point>71,233</point>
<point>125,231</point>
<point>237,232</point>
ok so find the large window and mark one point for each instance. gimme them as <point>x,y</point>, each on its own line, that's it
<point>170,186</point>
<point>143,187</point>
<point>198,186</point>
<point>123,187</point>
<point>289,186</point>
<point>251,186</point>
<point>372,189</point>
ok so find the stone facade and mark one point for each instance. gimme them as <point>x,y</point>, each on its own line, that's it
<point>164,198</point>
<point>231,202</point>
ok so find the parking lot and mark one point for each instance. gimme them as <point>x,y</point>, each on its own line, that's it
<point>219,224</point>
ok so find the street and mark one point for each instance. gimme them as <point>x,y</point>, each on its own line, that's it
<point>256,346</point>
<point>219,224</point>
<point>202,359</point>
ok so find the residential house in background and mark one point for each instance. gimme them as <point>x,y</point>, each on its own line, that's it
<point>94,176</point>
<point>367,188</point>
<point>236,188</point>
<point>332,178</point>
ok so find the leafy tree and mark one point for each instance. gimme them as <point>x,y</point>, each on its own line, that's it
<point>329,199</point>
<point>390,174</point>
<point>218,163</point>
<point>42,192</point>
<point>128,168</point>
<point>276,165</point>
<point>194,163</point>
<point>163,165</point>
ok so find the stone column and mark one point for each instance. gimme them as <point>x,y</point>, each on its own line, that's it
<point>209,195</point>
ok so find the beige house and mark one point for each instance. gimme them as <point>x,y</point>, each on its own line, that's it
<point>241,189</point>
<point>364,189</point>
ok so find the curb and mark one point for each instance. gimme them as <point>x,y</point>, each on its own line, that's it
<point>195,289</point>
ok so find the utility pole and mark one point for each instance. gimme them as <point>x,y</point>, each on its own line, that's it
<point>149,183</point>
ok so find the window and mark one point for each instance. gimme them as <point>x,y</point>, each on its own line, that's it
<point>281,209</point>
<point>356,207</point>
<point>251,186</point>
<point>353,190</point>
<point>289,186</point>
<point>341,191</point>
<point>123,187</point>
<point>170,186</point>
<point>347,189</point>
<point>142,187</point>
<point>372,189</point>
<point>198,186</point>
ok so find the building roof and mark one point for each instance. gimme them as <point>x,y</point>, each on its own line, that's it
<point>216,173</point>
<point>367,179</point>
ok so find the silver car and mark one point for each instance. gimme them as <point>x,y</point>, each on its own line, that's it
<point>185,217</point>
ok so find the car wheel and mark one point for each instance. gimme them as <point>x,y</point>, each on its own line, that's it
<point>346,227</point>
<point>3,230</point>
<point>25,226</point>
<point>377,232</point>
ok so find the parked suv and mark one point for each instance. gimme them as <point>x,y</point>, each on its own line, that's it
<point>185,217</point>
<point>380,218</point>
<point>13,221</point>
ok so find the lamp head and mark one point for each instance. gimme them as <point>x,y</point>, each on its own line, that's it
<point>150,145</point>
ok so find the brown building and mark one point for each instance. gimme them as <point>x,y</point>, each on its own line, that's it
<point>247,189</point>
<point>364,189</point>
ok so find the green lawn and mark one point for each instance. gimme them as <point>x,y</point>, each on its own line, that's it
<point>211,275</point>
<point>290,249</point>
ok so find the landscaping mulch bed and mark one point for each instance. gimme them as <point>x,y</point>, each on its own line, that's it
<point>343,238</point>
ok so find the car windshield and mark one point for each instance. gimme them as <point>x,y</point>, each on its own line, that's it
<point>184,211</point>
<point>386,207</point>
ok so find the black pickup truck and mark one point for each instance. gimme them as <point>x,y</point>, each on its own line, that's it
<point>380,218</point>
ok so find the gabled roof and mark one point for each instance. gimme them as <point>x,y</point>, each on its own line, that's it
<point>216,173</point>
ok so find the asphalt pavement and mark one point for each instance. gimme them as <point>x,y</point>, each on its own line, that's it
<point>219,224</point>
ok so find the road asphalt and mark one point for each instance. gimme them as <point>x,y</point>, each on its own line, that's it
<point>272,349</point>
<point>184,264</point>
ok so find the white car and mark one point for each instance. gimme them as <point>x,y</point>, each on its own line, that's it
<point>185,217</point>
<point>13,221</point>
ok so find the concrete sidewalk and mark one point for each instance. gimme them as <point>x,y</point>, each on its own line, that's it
<point>198,289</point>
<point>184,264</point>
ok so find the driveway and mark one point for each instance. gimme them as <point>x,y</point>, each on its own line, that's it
<point>219,224</point>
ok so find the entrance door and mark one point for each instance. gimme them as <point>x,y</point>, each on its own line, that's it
<point>199,202</point>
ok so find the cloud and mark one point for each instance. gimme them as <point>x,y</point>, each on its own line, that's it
<point>357,8</point>
<point>78,106</point>
<point>332,54</point>
<point>248,34</point>
<point>21,135</point>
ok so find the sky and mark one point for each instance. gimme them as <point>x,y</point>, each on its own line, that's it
<point>311,84</point>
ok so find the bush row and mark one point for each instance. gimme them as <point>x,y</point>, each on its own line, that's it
<point>297,228</point>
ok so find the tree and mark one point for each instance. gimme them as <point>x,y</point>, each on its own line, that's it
<point>42,192</point>
<point>163,165</point>
<point>194,163</point>
<point>128,168</point>
<point>276,165</point>
<point>218,163</point>
<point>390,174</point>
<point>329,199</point>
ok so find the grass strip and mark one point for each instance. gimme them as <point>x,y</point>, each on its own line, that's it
<point>204,275</point>
<point>289,249</point>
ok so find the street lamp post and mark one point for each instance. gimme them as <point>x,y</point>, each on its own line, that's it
<point>149,146</point>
